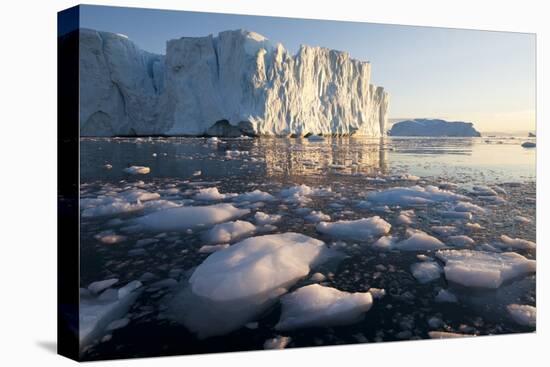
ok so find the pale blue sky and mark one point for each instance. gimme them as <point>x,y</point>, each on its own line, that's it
<point>480,76</point>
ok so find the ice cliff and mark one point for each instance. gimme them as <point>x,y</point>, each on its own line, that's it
<point>235,83</point>
<point>428,127</point>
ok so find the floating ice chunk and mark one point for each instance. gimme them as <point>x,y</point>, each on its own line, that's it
<point>426,271</point>
<point>359,229</point>
<point>255,196</point>
<point>317,216</point>
<point>405,217</point>
<point>474,226</point>
<point>232,286</point>
<point>484,269</point>
<point>419,242</point>
<point>315,305</point>
<point>444,230</point>
<point>464,206</point>
<point>517,243</point>
<point>445,296</point>
<point>99,286</point>
<point>229,232</point>
<point>460,240</point>
<point>109,237</point>
<point>455,215</point>
<point>211,193</point>
<point>97,313</point>
<point>523,314</point>
<point>278,342</point>
<point>110,206</point>
<point>299,194</point>
<point>108,166</point>
<point>318,277</point>
<point>212,140</point>
<point>137,170</point>
<point>482,190</point>
<point>446,334</point>
<point>377,293</point>
<point>412,196</point>
<point>521,219</point>
<point>208,249</point>
<point>189,217</point>
<point>262,218</point>
<point>384,243</point>
<point>255,265</point>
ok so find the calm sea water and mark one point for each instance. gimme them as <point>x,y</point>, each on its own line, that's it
<point>179,166</point>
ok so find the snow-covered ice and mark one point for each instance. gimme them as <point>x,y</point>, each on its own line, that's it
<point>523,314</point>
<point>360,229</point>
<point>262,218</point>
<point>211,193</point>
<point>413,196</point>
<point>419,242</point>
<point>229,232</point>
<point>189,217</point>
<point>316,305</point>
<point>484,269</point>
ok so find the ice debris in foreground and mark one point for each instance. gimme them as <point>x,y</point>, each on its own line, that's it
<point>262,218</point>
<point>316,305</point>
<point>517,243</point>
<point>415,195</point>
<point>523,314</point>
<point>359,229</point>
<point>189,217</point>
<point>278,342</point>
<point>419,241</point>
<point>98,312</point>
<point>484,269</point>
<point>211,194</point>
<point>232,286</point>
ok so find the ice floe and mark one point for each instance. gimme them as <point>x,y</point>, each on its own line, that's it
<point>445,296</point>
<point>210,194</point>
<point>523,314</point>
<point>516,243</point>
<point>232,286</point>
<point>426,271</point>
<point>317,216</point>
<point>460,240</point>
<point>419,242</point>
<point>255,196</point>
<point>98,312</point>
<point>360,229</point>
<point>101,285</point>
<point>208,249</point>
<point>137,170</point>
<point>109,237</point>
<point>415,195</point>
<point>316,305</point>
<point>484,269</point>
<point>229,232</point>
<point>189,217</point>
<point>262,218</point>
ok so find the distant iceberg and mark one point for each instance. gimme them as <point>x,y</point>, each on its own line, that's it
<point>429,127</point>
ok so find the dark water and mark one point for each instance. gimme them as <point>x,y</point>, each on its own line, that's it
<point>271,165</point>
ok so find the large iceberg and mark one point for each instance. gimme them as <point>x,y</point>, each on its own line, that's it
<point>235,83</point>
<point>433,127</point>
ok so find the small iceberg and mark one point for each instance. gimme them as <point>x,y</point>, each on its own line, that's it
<point>523,314</point>
<point>360,229</point>
<point>316,305</point>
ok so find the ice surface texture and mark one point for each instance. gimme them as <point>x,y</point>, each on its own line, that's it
<point>235,83</point>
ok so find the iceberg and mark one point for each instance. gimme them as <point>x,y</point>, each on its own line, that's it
<point>236,83</point>
<point>433,127</point>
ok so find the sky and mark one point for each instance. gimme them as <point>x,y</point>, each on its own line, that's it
<point>483,77</point>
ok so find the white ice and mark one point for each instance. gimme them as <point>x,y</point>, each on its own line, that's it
<point>412,196</point>
<point>137,170</point>
<point>317,216</point>
<point>426,271</point>
<point>211,194</point>
<point>484,269</point>
<point>523,314</point>
<point>419,242</point>
<point>316,305</point>
<point>262,218</point>
<point>189,217</point>
<point>359,229</point>
<point>229,232</point>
